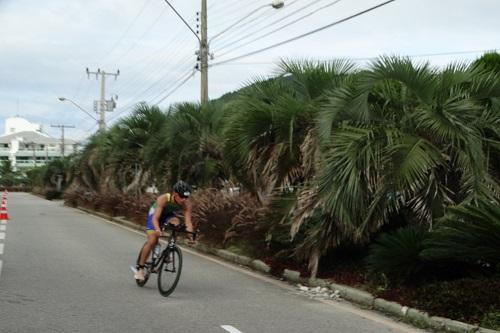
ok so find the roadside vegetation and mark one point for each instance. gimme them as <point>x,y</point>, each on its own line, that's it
<point>386,177</point>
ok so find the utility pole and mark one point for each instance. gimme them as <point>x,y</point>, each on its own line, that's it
<point>104,105</point>
<point>204,53</point>
<point>62,127</point>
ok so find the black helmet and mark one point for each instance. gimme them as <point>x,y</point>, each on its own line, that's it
<point>183,189</point>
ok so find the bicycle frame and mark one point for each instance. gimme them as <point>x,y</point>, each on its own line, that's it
<point>155,262</point>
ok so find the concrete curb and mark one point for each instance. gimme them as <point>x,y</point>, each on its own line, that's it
<point>261,266</point>
<point>293,276</point>
<point>392,308</point>
<point>360,297</point>
<point>449,325</point>
<point>242,260</point>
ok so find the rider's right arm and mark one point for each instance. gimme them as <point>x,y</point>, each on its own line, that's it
<point>160,203</point>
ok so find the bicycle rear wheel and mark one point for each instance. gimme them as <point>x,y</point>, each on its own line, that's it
<point>147,269</point>
<point>170,271</point>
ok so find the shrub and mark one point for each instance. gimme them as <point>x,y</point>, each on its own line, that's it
<point>223,217</point>
<point>491,320</point>
<point>71,198</point>
<point>469,233</point>
<point>53,194</point>
<point>397,254</point>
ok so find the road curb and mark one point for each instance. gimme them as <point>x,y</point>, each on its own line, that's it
<point>292,276</point>
<point>363,298</point>
<point>392,308</point>
<point>261,266</point>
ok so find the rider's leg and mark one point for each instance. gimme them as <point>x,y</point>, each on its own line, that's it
<point>151,241</point>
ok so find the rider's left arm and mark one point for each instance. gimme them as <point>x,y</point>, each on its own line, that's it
<point>188,207</point>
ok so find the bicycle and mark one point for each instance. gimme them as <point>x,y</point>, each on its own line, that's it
<point>168,264</point>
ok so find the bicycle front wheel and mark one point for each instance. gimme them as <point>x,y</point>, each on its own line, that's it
<point>170,271</point>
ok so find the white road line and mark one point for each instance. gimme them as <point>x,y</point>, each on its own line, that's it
<point>2,235</point>
<point>230,329</point>
<point>3,227</point>
<point>1,248</point>
<point>0,267</point>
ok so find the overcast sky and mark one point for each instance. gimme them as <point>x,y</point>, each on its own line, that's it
<point>45,47</point>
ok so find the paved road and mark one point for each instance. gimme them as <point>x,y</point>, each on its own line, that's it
<point>66,271</point>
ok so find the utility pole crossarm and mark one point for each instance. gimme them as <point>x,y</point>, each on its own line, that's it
<point>103,107</point>
<point>62,127</point>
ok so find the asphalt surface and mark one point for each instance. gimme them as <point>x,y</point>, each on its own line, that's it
<point>63,270</point>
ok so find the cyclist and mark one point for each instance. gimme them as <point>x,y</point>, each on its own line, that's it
<point>161,213</point>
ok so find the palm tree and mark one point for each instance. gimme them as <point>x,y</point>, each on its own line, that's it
<point>193,136</point>
<point>270,138</point>
<point>399,137</point>
<point>130,143</point>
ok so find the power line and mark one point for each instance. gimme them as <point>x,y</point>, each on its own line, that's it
<point>238,22</point>
<point>305,34</point>
<point>134,102</point>
<point>229,10</point>
<point>420,55</point>
<point>156,82</point>
<point>177,43</point>
<point>178,49</point>
<point>145,4</point>
<point>260,19</point>
<point>434,54</point>
<point>281,28</point>
<point>183,20</point>
<point>187,72</point>
<point>176,88</point>
<point>134,45</point>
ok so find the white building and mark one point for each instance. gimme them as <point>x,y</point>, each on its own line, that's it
<point>25,145</point>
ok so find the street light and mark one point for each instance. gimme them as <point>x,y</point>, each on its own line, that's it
<point>62,99</point>
<point>278,4</point>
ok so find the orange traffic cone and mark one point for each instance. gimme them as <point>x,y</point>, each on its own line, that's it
<point>3,213</point>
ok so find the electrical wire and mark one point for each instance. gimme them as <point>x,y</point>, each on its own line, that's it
<point>175,45</point>
<point>178,50</point>
<point>239,21</point>
<point>125,32</point>
<point>230,9</point>
<point>150,27</point>
<point>176,88</point>
<point>258,30</point>
<point>280,28</point>
<point>134,100</point>
<point>181,64</point>
<point>304,35</point>
<point>185,72</point>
